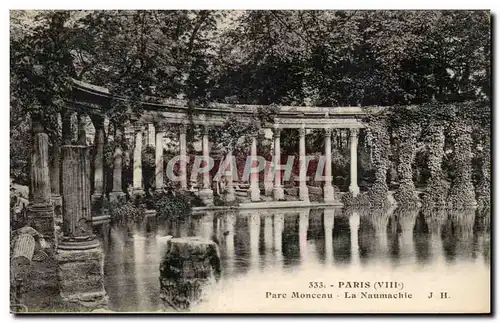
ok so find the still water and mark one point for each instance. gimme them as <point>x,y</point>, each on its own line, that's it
<point>284,250</point>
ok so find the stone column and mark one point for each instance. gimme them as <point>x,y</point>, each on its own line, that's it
<point>55,172</point>
<point>303,191</point>
<point>76,191</point>
<point>278,192</point>
<point>268,169</point>
<point>230,192</point>
<point>67,132</point>
<point>353,188</point>
<point>98,193</point>
<point>138,188</point>
<point>40,208</point>
<point>117,190</point>
<point>183,156</point>
<point>151,135</point>
<point>82,133</point>
<point>79,255</point>
<point>55,187</point>
<point>254,190</point>
<point>328,194</point>
<point>160,133</point>
<point>206,194</point>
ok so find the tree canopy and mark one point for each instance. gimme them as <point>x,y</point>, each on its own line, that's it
<point>323,58</point>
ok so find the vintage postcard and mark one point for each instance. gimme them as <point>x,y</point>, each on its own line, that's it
<point>250,161</point>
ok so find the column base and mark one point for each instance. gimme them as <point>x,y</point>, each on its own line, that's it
<point>254,193</point>
<point>80,272</point>
<point>97,204</point>
<point>230,195</point>
<point>41,217</point>
<point>57,200</point>
<point>184,186</point>
<point>96,197</point>
<point>354,190</point>
<point>116,196</point>
<point>138,191</point>
<point>328,193</point>
<point>268,188</point>
<point>278,193</point>
<point>303,193</point>
<point>207,196</point>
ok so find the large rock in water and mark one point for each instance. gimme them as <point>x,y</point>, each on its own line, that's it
<point>190,266</point>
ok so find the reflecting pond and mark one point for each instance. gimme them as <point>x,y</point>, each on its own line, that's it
<point>286,249</point>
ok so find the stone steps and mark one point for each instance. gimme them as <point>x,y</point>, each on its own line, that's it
<point>241,189</point>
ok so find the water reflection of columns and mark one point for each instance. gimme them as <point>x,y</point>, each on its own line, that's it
<point>268,238</point>
<point>483,239</point>
<point>254,229</point>
<point>354,230</point>
<point>435,220</point>
<point>229,224</point>
<point>463,224</point>
<point>329,222</point>
<point>140,265</point>
<point>279,224</point>
<point>303,226</point>
<point>206,226</point>
<point>407,219</point>
<point>379,219</point>
<point>117,278</point>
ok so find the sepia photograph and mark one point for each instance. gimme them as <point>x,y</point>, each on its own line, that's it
<point>250,161</point>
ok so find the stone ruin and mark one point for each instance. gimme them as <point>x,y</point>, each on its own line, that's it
<point>189,268</point>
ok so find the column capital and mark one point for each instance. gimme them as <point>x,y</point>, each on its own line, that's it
<point>138,127</point>
<point>97,120</point>
<point>354,132</point>
<point>160,126</point>
<point>37,124</point>
<point>328,132</point>
<point>205,129</point>
<point>183,128</point>
<point>276,132</point>
<point>302,131</point>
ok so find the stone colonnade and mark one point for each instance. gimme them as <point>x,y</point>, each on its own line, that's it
<point>45,179</point>
<point>206,192</point>
<point>46,189</point>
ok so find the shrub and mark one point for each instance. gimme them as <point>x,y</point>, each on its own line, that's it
<point>126,214</point>
<point>174,205</point>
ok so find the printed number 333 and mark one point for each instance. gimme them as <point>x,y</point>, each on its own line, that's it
<point>316,285</point>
